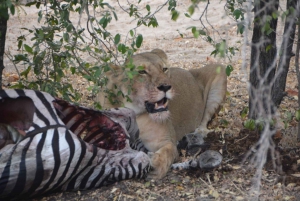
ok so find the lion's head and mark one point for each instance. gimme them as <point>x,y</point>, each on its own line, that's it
<point>151,87</point>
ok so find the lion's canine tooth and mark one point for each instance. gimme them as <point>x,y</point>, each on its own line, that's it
<point>166,103</point>
<point>156,105</point>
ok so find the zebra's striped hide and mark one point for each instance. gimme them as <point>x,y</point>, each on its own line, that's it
<point>52,156</point>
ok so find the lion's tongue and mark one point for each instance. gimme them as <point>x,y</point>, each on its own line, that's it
<point>159,104</point>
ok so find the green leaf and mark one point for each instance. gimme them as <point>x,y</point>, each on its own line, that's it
<point>148,7</point>
<point>268,47</point>
<point>224,122</point>
<point>140,68</point>
<point>103,22</point>
<point>269,32</point>
<point>129,74</point>
<point>66,37</point>
<point>131,33</point>
<point>187,15</point>
<point>229,69</point>
<point>195,32</point>
<point>115,15</point>
<point>20,42</point>
<point>30,3</point>
<point>122,48</point>
<point>54,46</point>
<point>268,18</point>
<point>172,5</point>
<point>260,123</point>
<point>215,52</point>
<point>19,85</point>
<point>275,15</point>
<point>153,22</point>
<point>20,57</point>
<point>12,9</point>
<point>25,72</point>
<point>266,28</point>
<point>181,35</point>
<point>97,72</point>
<point>221,48</point>
<point>40,14</point>
<point>191,9</point>
<point>117,39</point>
<point>209,39</point>
<point>175,15</point>
<point>232,50</point>
<point>240,28</point>
<point>73,70</point>
<point>202,32</point>
<point>244,112</point>
<point>39,58</point>
<point>28,49</point>
<point>38,4</point>
<point>237,14</point>
<point>70,27</point>
<point>250,124</point>
<point>139,41</point>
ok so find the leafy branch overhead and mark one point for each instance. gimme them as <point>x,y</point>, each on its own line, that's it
<point>59,42</point>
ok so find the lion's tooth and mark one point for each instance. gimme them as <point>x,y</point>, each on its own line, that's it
<point>156,105</point>
<point>166,103</point>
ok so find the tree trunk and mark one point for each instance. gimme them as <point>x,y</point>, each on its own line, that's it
<point>278,91</point>
<point>3,27</point>
<point>297,66</point>
<point>263,54</point>
<point>298,75</point>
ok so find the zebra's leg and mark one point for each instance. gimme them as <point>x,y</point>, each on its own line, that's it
<point>138,145</point>
<point>207,160</point>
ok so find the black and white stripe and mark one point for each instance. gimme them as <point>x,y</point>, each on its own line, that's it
<point>137,144</point>
<point>53,158</point>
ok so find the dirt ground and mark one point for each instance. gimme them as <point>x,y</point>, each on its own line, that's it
<point>233,179</point>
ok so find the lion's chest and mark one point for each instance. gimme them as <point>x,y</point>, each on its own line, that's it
<point>154,135</point>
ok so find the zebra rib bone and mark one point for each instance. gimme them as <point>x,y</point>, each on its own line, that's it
<point>91,125</point>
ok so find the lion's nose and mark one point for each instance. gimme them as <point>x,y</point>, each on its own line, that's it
<point>164,88</point>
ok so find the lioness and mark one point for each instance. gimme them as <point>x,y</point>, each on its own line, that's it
<point>169,103</point>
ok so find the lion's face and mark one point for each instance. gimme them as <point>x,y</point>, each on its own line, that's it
<point>151,89</point>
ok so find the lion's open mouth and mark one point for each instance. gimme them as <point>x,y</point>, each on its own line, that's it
<point>159,106</point>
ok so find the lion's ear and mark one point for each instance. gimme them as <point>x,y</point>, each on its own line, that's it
<point>114,69</point>
<point>161,55</point>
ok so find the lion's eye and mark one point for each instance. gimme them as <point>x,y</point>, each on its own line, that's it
<point>165,69</point>
<point>142,72</point>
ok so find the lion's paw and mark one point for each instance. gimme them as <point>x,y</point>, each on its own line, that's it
<point>203,131</point>
<point>159,166</point>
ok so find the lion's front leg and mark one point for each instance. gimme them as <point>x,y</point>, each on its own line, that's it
<point>162,160</point>
<point>214,92</point>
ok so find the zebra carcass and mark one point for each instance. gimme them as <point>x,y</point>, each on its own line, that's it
<point>48,145</point>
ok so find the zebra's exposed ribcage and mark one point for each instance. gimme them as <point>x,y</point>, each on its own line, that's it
<point>52,156</point>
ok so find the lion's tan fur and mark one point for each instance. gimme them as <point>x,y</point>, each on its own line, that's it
<point>195,95</point>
